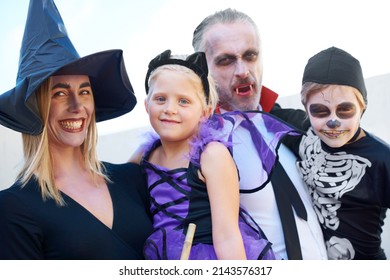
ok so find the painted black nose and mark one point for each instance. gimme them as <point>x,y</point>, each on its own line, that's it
<point>333,123</point>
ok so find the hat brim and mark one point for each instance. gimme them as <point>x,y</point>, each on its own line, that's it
<point>113,93</point>
<point>112,90</point>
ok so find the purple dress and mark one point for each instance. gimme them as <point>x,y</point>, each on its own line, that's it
<point>178,197</point>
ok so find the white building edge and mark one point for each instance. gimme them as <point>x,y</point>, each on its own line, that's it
<point>118,147</point>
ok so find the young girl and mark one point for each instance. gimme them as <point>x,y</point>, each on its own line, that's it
<point>345,167</point>
<point>192,177</point>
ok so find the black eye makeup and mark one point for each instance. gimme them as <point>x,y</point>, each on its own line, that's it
<point>319,111</point>
<point>225,60</point>
<point>344,110</point>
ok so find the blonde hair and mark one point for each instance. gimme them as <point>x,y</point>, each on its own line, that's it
<point>38,161</point>
<point>309,88</point>
<point>208,104</point>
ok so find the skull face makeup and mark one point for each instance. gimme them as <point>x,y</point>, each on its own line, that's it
<point>334,114</point>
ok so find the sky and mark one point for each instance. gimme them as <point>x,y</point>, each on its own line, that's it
<point>291,32</point>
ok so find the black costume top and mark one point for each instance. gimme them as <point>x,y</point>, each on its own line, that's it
<point>350,189</point>
<point>31,228</point>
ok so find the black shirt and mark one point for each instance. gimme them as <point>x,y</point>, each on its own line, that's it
<point>31,228</point>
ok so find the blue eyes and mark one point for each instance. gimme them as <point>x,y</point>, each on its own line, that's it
<point>181,101</point>
<point>184,101</point>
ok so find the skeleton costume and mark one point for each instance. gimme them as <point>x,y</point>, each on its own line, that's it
<point>349,185</point>
<point>350,189</point>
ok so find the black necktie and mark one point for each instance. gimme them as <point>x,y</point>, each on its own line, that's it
<point>286,195</point>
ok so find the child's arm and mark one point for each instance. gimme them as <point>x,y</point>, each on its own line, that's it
<point>221,177</point>
<point>137,155</point>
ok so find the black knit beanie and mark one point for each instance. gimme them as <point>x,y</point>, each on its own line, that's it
<point>335,66</point>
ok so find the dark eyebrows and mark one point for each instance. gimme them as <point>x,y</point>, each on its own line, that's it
<point>85,84</point>
<point>61,85</point>
<point>251,51</point>
<point>67,86</point>
<point>224,56</point>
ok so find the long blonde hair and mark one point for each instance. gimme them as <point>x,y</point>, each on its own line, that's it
<point>38,161</point>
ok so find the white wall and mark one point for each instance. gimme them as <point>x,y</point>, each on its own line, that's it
<point>11,156</point>
<point>119,146</point>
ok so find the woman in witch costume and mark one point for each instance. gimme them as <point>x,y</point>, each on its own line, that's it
<point>66,204</point>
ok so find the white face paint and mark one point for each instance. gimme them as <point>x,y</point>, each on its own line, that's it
<point>234,59</point>
<point>334,114</point>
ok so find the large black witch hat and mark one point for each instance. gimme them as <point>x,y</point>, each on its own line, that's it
<point>47,50</point>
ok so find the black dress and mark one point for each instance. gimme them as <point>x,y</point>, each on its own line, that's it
<point>31,228</point>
